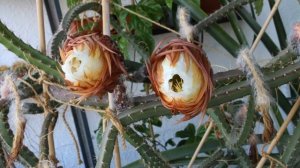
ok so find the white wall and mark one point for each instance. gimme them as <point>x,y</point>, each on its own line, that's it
<point>20,16</point>
<point>24,23</point>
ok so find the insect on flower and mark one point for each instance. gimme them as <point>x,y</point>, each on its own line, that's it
<point>182,77</point>
<point>91,64</point>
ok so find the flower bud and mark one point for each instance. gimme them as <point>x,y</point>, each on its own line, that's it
<point>182,77</point>
<point>91,64</point>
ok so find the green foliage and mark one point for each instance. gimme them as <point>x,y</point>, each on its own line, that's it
<point>292,147</point>
<point>169,3</point>
<point>211,161</point>
<point>29,54</point>
<point>140,120</point>
<point>26,157</point>
<point>137,26</point>
<point>258,4</point>
<point>71,3</point>
<point>190,135</point>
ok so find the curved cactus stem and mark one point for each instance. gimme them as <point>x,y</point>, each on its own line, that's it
<point>26,157</point>
<point>220,120</point>
<point>27,53</point>
<point>214,30</point>
<point>185,151</point>
<point>150,157</point>
<point>247,127</point>
<point>107,146</point>
<point>211,160</point>
<point>61,33</point>
<point>220,13</point>
<point>292,147</point>
<point>2,156</point>
<point>243,158</point>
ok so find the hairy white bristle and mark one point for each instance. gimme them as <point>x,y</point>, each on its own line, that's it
<point>5,89</point>
<point>247,64</point>
<point>295,38</point>
<point>185,28</point>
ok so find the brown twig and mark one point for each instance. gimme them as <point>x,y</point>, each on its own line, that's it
<point>20,125</point>
<point>205,136</point>
<point>72,135</point>
<point>279,133</point>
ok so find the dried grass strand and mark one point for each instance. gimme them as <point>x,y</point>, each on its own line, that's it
<point>116,122</point>
<point>20,125</point>
<point>261,94</point>
<point>72,135</point>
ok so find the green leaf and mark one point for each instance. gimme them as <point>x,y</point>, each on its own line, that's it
<point>140,128</point>
<point>169,3</point>
<point>189,131</point>
<point>198,2</point>
<point>258,6</point>
<point>156,121</point>
<point>151,9</point>
<point>71,3</point>
<point>170,142</point>
<point>123,45</point>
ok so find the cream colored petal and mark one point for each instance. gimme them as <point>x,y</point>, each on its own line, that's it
<point>192,79</point>
<point>82,67</point>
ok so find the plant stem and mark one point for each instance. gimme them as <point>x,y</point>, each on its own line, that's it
<point>205,136</point>
<point>111,105</point>
<point>264,27</point>
<point>279,133</point>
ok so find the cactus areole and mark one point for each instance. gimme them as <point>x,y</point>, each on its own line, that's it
<point>181,76</point>
<point>91,64</point>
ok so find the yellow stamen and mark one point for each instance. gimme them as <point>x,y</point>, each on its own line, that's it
<point>176,83</point>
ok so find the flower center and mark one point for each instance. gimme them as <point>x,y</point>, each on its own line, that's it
<point>176,83</point>
<point>75,63</point>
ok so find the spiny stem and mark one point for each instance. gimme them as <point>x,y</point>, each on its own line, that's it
<point>205,136</point>
<point>279,133</point>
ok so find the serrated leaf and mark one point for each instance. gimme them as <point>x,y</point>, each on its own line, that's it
<point>258,4</point>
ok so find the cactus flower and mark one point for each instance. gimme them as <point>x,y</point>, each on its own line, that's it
<point>91,64</point>
<point>182,77</point>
